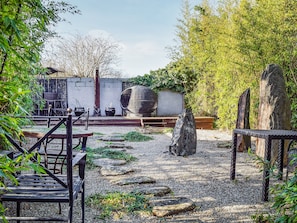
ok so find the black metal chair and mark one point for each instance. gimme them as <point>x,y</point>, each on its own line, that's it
<point>49,187</point>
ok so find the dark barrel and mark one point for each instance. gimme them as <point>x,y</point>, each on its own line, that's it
<point>139,101</point>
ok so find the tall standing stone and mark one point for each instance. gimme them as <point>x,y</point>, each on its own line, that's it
<point>243,120</point>
<point>184,138</point>
<point>274,108</point>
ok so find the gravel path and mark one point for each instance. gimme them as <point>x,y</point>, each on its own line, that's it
<point>203,177</point>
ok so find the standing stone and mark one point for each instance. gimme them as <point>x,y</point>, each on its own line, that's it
<point>274,108</point>
<point>184,138</point>
<point>243,121</point>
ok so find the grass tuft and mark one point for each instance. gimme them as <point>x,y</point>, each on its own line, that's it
<point>103,152</point>
<point>117,204</point>
<point>136,137</point>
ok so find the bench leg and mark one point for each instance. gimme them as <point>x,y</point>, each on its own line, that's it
<point>70,212</point>
<point>83,204</point>
<point>267,160</point>
<point>233,156</point>
<point>18,210</point>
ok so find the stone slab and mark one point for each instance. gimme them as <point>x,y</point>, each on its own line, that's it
<point>157,191</point>
<point>108,162</point>
<point>170,206</point>
<point>135,180</point>
<point>113,138</point>
<point>116,145</point>
<point>115,170</point>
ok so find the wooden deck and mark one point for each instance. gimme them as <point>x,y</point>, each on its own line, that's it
<point>201,122</point>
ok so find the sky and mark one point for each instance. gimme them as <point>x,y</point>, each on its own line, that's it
<point>144,29</point>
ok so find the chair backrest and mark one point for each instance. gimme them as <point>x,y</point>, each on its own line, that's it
<point>85,114</point>
<point>67,120</point>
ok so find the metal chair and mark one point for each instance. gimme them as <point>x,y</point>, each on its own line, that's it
<point>49,187</point>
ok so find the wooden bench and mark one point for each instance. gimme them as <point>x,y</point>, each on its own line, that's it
<point>49,187</point>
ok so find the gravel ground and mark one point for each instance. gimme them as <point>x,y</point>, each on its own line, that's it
<point>202,177</point>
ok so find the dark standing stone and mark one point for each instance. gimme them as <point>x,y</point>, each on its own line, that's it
<point>274,108</point>
<point>243,121</point>
<point>184,138</point>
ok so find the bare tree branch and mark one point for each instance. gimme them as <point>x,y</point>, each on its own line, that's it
<point>81,55</point>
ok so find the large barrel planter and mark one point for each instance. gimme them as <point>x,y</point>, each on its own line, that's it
<point>139,101</point>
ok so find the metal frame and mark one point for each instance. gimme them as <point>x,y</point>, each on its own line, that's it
<point>49,187</point>
<point>268,135</point>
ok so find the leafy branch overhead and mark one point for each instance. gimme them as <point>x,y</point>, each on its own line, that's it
<point>168,78</point>
<point>25,25</point>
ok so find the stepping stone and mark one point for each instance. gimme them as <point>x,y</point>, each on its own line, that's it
<point>224,145</point>
<point>135,180</point>
<point>117,149</point>
<point>113,138</point>
<point>118,146</point>
<point>158,191</point>
<point>169,206</point>
<point>115,170</point>
<point>108,162</point>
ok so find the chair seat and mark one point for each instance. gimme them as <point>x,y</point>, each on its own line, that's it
<point>41,188</point>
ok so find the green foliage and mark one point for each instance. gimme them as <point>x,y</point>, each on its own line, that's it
<point>226,48</point>
<point>136,137</point>
<point>284,203</point>
<point>117,204</point>
<point>168,78</point>
<point>24,25</point>
<point>284,197</point>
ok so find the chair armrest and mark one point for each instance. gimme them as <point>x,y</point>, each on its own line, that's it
<point>78,158</point>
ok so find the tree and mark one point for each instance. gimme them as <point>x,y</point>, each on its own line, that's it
<point>228,47</point>
<point>81,55</point>
<point>24,25</point>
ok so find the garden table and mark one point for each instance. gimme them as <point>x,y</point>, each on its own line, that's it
<point>39,131</point>
<point>56,155</point>
<point>268,135</point>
